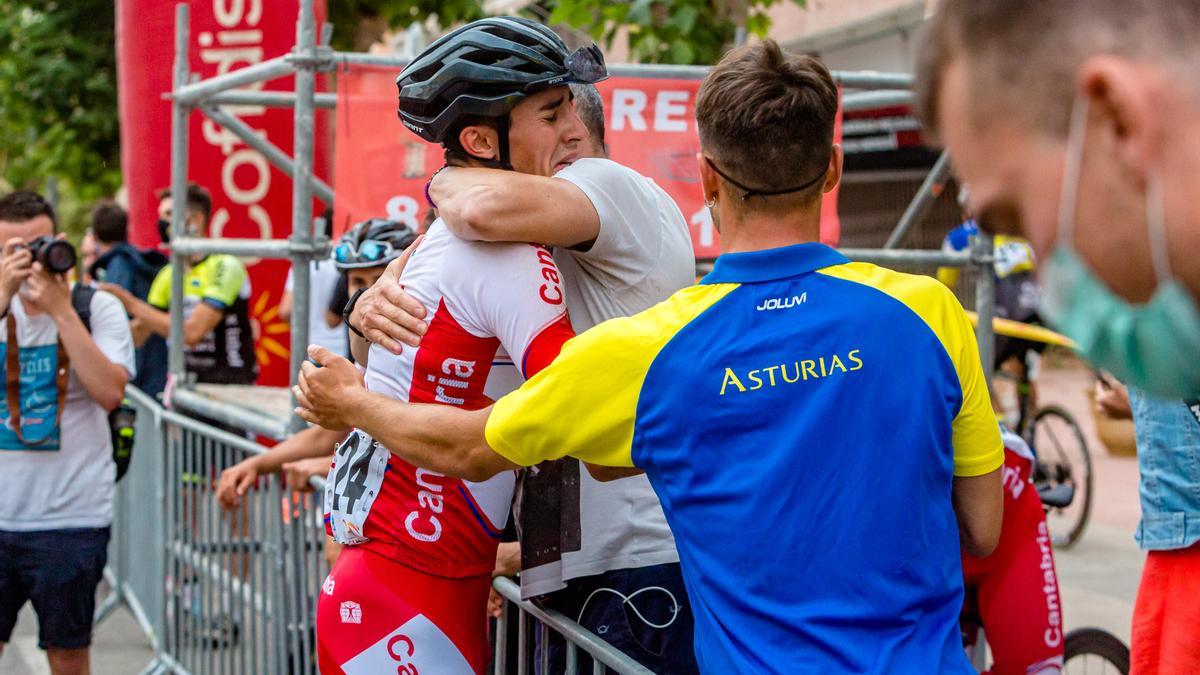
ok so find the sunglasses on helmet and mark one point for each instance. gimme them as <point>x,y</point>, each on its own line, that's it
<point>370,251</point>
<point>586,65</point>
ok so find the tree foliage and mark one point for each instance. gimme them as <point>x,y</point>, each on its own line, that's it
<point>58,95</point>
<point>668,31</point>
<point>660,31</point>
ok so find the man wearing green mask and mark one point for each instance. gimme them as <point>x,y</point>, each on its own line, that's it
<point>1070,121</point>
<point>1076,124</point>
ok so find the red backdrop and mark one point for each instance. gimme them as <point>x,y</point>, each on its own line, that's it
<point>381,167</point>
<point>250,198</point>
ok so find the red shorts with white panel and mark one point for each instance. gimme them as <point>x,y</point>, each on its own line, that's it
<point>376,615</point>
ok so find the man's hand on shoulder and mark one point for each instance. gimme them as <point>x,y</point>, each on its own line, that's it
<point>386,314</point>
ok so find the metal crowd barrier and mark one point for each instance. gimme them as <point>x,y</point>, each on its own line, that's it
<point>236,592</point>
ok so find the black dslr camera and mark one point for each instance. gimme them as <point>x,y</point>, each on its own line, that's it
<point>56,255</point>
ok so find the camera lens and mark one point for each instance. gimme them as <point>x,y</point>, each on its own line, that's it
<point>58,256</point>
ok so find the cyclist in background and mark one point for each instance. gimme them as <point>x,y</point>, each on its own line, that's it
<point>361,256</point>
<point>1015,589</point>
<point>1017,294</point>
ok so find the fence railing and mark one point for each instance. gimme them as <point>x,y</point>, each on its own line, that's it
<point>235,592</point>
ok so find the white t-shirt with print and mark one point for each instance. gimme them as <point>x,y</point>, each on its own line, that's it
<point>641,256</point>
<point>66,481</point>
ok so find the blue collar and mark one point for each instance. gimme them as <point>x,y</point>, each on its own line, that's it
<point>772,264</point>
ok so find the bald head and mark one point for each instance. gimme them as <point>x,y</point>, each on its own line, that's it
<point>1022,56</point>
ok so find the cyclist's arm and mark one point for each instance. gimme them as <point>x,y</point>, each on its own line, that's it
<point>304,444</point>
<point>979,508</point>
<point>494,205</point>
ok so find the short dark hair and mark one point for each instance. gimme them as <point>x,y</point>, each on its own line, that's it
<point>766,117</point>
<point>109,222</point>
<point>25,205</point>
<point>198,200</point>
<point>590,108</point>
<point>1023,55</point>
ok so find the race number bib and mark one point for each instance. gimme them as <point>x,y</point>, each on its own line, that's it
<point>353,485</point>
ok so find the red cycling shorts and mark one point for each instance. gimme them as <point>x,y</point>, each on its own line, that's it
<point>375,615</point>
<point>1017,585</point>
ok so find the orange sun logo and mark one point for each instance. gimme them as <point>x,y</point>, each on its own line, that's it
<point>265,317</point>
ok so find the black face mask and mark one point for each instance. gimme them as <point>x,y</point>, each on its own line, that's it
<point>164,230</point>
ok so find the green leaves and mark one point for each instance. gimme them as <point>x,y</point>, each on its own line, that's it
<point>58,96</point>
<point>667,31</point>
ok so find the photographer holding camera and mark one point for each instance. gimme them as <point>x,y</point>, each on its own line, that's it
<point>56,467</point>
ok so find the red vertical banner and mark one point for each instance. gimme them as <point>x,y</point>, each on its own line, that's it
<point>251,199</point>
<point>382,167</point>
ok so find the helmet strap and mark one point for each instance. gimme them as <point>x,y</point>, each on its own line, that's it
<point>502,141</point>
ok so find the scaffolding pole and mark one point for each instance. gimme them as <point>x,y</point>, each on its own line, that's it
<point>985,305</point>
<point>926,195</point>
<point>267,99</point>
<point>302,221</point>
<point>179,162</point>
<point>259,72</point>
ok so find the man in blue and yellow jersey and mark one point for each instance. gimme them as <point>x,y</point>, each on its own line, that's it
<point>818,431</point>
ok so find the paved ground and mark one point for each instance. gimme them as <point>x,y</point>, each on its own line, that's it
<point>1098,576</point>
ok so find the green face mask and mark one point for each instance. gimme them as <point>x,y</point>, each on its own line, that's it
<point>1153,346</point>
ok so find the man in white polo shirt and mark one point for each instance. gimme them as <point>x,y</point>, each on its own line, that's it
<point>73,352</point>
<point>622,246</point>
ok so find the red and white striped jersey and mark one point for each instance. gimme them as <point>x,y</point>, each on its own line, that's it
<point>497,315</point>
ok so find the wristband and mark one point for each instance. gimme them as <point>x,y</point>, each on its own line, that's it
<point>430,182</point>
<point>349,309</point>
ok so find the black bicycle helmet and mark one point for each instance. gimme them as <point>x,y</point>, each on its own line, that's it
<point>485,69</point>
<point>372,243</point>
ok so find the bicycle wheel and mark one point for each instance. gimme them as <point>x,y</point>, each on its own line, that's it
<point>1062,458</point>
<point>1091,650</point>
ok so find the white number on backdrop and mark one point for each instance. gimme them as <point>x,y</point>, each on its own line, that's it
<point>702,219</point>
<point>354,483</point>
<point>405,210</point>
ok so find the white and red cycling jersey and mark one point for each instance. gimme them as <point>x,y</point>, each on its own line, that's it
<point>497,315</point>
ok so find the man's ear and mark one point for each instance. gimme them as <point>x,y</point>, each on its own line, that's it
<point>1120,96</point>
<point>834,175</point>
<point>480,141</point>
<point>709,181</point>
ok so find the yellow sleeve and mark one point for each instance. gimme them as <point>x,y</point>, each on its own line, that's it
<point>976,436</point>
<point>583,404</point>
<point>223,280</point>
<point>160,289</point>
